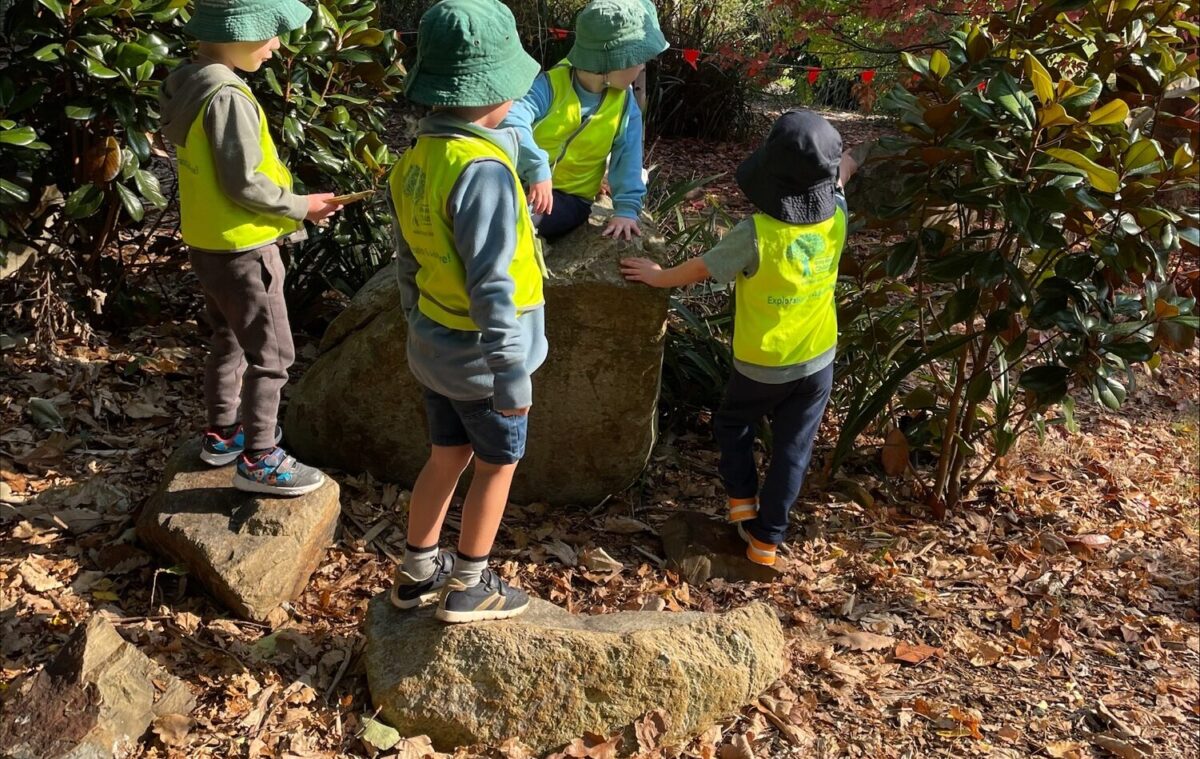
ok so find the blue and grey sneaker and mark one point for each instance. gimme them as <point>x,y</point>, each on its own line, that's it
<point>277,474</point>
<point>218,450</point>
<point>409,592</point>
<point>492,598</point>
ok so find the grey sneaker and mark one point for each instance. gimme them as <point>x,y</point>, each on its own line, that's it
<point>216,450</point>
<point>409,592</point>
<point>276,474</point>
<point>492,598</point>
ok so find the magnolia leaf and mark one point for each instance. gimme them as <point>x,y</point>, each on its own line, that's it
<point>379,735</point>
<point>939,64</point>
<point>1104,180</point>
<point>1055,115</point>
<point>1143,153</point>
<point>1043,83</point>
<point>1008,95</point>
<point>1112,112</point>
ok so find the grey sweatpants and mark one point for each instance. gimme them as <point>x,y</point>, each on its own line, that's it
<point>252,347</point>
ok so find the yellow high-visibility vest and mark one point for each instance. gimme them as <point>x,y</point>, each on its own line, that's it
<point>786,313</point>
<point>421,184</point>
<point>578,147</point>
<point>209,220</point>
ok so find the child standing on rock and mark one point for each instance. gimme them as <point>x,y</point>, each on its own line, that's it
<point>784,261</point>
<point>470,276</point>
<point>581,118</point>
<point>236,207</point>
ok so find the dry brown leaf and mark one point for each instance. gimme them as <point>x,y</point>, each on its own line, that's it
<point>592,746</point>
<point>172,729</point>
<point>1092,540</point>
<point>419,747</point>
<point>894,453</point>
<point>650,729</point>
<point>1064,749</point>
<point>565,553</point>
<point>1118,747</point>
<point>865,641</point>
<point>914,654</point>
<point>36,578</point>
<point>598,560</point>
<point>739,747</point>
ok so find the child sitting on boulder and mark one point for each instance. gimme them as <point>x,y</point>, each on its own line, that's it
<point>581,118</point>
<point>470,278</point>
<point>236,207</point>
<point>784,261</point>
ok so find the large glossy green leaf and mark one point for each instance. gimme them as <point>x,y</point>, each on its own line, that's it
<point>1047,382</point>
<point>19,136</point>
<point>131,202</point>
<point>1007,93</point>
<point>1101,178</point>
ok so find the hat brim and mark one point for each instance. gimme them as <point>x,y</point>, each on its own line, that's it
<point>621,57</point>
<point>285,17</point>
<point>501,82</point>
<point>781,198</point>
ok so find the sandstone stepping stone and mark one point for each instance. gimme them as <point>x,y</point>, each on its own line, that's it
<point>93,701</point>
<point>701,547</point>
<point>549,675</point>
<point>595,404</point>
<point>253,553</point>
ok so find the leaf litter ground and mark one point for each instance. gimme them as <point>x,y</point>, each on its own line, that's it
<point>1054,615</point>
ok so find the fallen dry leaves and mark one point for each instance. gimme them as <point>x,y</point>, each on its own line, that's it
<point>1054,615</point>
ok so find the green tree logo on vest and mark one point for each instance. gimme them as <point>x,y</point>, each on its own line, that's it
<point>810,250</point>
<point>414,182</point>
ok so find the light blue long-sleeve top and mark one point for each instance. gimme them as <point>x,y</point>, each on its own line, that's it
<point>625,165</point>
<point>500,358</point>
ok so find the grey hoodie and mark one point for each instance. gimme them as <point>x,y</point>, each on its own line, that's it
<point>499,359</point>
<point>232,125</point>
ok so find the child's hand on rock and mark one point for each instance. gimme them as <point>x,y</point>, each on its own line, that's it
<point>320,208</point>
<point>541,196</point>
<point>642,270</point>
<point>622,228</point>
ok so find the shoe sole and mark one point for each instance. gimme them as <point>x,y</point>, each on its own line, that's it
<point>420,600</point>
<point>254,486</point>
<point>221,459</point>
<point>459,617</point>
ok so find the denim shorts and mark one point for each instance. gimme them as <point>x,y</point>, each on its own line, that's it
<point>495,438</point>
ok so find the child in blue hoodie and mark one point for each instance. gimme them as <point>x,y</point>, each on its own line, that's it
<point>470,277</point>
<point>581,118</point>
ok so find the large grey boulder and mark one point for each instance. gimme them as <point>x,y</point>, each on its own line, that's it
<point>595,399</point>
<point>93,701</point>
<point>549,676</point>
<point>252,553</point>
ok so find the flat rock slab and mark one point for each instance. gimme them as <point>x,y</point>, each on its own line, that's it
<point>548,676</point>
<point>701,547</point>
<point>253,553</point>
<point>595,400</point>
<point>93,701</point>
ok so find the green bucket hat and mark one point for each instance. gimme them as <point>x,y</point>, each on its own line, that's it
<point>611,35</point>
<point>469,54</point>
<point>245,20</point>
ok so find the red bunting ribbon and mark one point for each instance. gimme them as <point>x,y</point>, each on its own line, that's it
<point>813,73</point>
<point>558,34</point>
<point>691,56</point>
<point>868,75</point>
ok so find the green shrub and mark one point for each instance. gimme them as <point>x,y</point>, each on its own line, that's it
<point>1037,245</point>
<point>79,109</point>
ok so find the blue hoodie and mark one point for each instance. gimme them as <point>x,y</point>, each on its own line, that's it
<point>499,359</point>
